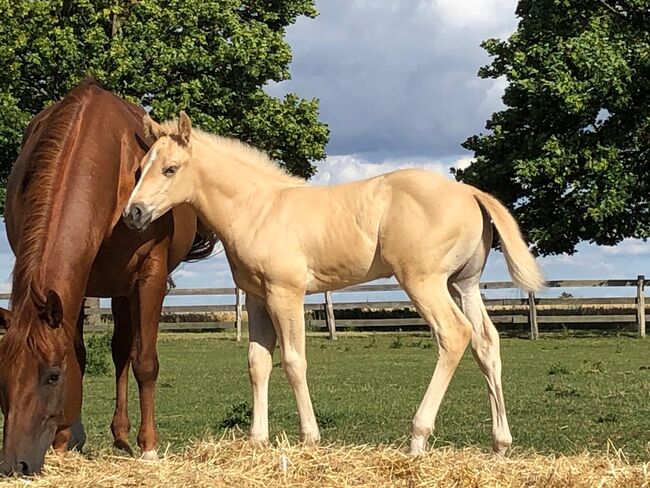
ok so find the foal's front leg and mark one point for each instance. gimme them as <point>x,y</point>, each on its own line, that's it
<point>262,339</point>
<point>286,308</point>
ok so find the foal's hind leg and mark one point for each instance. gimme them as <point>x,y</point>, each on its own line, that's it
<point>262,339</point>
<point>485,347</point>
<point>453,331</point>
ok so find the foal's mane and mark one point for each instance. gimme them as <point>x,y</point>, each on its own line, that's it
<point>245,154</point>
<point>39,187</point>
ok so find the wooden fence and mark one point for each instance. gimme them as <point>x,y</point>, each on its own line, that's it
<point>531,311</point>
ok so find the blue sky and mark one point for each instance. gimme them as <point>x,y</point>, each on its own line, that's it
<point>398,87</point>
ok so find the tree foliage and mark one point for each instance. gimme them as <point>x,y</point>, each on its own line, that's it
<point>209,57</point>
<point>570,153</point>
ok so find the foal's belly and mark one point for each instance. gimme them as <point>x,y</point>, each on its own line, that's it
<point>336,275</point>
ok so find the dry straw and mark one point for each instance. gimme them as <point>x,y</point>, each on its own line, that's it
<point>232,462</point>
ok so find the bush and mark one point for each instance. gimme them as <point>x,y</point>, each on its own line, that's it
<point>98,351</point>
<point>238,415</point>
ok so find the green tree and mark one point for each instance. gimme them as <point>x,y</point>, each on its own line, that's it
<point>209,57</point>
<point>570,153</point>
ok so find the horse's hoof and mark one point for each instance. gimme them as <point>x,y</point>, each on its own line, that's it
<point>149,455</point>
<point>123,446</point>
<point>78,437</point>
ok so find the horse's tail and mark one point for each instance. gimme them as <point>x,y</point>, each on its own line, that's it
<point>522,266</point>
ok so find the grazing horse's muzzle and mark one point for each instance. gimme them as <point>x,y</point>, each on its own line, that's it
<point>136,216</point>
<point>21,468</point>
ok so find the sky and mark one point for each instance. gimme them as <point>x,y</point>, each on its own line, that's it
<point>398,87</point>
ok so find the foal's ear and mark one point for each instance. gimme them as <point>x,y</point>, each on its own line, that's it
<point>52,310</point>
<point>152,128</point>
<point>5,318</point>
<point>184,128</point>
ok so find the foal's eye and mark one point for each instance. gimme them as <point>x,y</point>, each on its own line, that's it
<point>53,378</point>
<point>170,170</point>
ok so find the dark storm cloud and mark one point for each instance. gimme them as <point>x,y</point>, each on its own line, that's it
<point>398,78</point>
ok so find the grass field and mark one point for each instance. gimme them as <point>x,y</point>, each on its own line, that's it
<point>563,394</point>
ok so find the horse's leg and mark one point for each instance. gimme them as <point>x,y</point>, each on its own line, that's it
<point>262,339</point>
<point>453,332</point>
<point>145,314</point>
<point>121,346</point>
<point>485,347</point>
<point>286,310</point>
<point>74,437</point>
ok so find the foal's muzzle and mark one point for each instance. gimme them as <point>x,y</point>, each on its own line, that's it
<point>136,216</point>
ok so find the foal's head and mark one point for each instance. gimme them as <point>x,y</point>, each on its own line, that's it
<point>38,373</point>
<point>166,179</point>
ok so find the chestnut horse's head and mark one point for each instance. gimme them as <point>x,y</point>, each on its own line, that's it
<point>38,375</point>
<point>167,179</point>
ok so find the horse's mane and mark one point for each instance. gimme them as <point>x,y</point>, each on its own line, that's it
<point>242,152</point>
<point>39,186</point>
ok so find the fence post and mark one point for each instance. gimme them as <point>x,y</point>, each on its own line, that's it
<point>238,313</point>
<point>329,315</point>
<point>532,317</point>
<point>91,319</point>
<point>640,304</point>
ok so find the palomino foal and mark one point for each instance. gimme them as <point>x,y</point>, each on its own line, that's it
<point>284,239</point>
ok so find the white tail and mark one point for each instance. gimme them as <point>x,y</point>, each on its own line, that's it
<point>521,263</point>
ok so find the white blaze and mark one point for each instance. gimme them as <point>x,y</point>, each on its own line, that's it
<point>147,167</point>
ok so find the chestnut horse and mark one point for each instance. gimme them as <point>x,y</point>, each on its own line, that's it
<point>75,171</point>
<point>284,238</point>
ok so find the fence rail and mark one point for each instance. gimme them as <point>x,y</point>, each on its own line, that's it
<point>532,310</point>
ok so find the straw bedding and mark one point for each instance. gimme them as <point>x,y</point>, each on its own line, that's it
<point>232,462</point>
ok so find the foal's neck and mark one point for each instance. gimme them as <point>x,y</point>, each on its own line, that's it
<point>233,180</point>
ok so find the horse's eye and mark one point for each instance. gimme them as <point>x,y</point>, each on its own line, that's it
<point>53,378</point>
<point>170,170</point>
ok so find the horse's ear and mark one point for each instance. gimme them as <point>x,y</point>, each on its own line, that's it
<point>5,318</point>
<point>52,310</point>
<point>152,128</point>
<point>184,128</point>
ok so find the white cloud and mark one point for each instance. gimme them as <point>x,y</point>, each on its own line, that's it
<point>463,162</point>
<point>5,287</point>
<point>471,13</point>
<point>341,169</point>
<point>184,273</point>
<point>629,247</point>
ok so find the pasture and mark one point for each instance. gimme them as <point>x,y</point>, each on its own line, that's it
<point>564,394</point>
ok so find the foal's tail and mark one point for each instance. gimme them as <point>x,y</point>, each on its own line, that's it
<point>522,265</point>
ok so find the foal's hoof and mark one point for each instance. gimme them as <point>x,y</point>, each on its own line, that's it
<point>501,442</point>
<point>259,442</point>
<point>500,449</point>
<point>149,455</point>
<point>418,446</point>
<point>310,439</point>
<point>123,446</point>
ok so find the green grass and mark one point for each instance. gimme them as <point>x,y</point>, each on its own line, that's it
<point>562,394</point>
